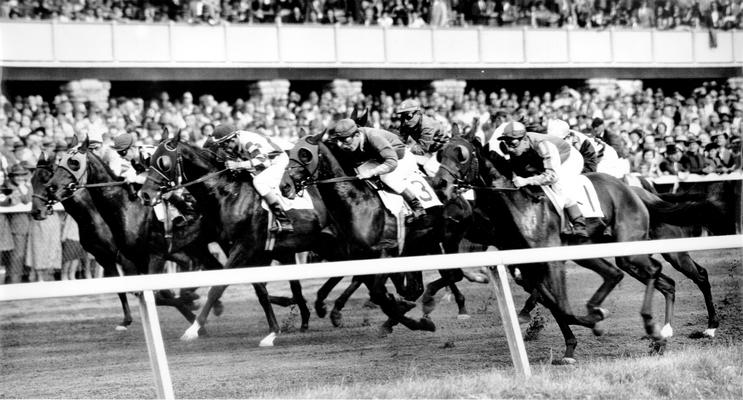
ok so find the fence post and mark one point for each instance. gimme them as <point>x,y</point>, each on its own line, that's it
<point>499,278</point>
<point>155,346</point>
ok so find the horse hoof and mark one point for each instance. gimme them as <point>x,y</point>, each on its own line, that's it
<point>599,329</point>
<point>600,312</point>
<point>709,332</point>
<point>268,340</point>
<point>406,305</point>
<point>428,304</point>
<point>463,317</point>
<point>218,308</point>
<point>304,328</point>
<point>320,309</point>
<point>524,318</point>
<point>384,331</point>
<point>658,347</point>
<point>667,331</point>
<point>192,332</point>
<point>192,305</point>
<point>565,361</point>
<point>427,325</point>
<point>121,328</point>
<point>336,317</point>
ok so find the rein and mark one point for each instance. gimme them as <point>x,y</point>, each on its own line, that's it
<point>206,177</point>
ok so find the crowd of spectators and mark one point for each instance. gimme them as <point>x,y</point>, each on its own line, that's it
<point>661,14</point>
<point>660,133</point>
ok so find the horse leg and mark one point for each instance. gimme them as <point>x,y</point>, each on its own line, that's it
<point>529,305</point>
<point>456,276</point>
<point>611,276</point>
<point>197,328</point>
<point>428,301</point>
<point>109,271</point>
<point>262,293</point>
<point>210,263</point>
<point>563,319</point>
<point>395,307</point>
<point>336,316</point>
<point>687,266</point>
<point>323,294</point>
<point>646,270</point>
<point>667,287</point>
<point>301,303</point>
<point>167,298</point>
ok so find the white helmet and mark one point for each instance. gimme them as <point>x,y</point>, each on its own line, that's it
<point>557,127</point>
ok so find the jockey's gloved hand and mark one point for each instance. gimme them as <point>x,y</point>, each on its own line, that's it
<point>519,181</point>
<point>366,174</point>
<point>234,165</point>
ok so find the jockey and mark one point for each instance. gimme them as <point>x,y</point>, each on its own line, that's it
<point>137,158</point>
<point>378,153</point>
<point>585,145</point>
<point>265,160</point>
<point>423,134</point>
<point>539,159</point>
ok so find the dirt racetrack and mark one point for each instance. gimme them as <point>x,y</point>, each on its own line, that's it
<point>68,348</point>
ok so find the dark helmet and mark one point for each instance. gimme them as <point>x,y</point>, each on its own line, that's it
<point>223,133</point>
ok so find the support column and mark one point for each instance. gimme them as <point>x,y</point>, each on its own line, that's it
<point>499,279</point>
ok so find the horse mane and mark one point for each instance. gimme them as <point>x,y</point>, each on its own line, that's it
<point>335,165</point>
<point>111,175</point>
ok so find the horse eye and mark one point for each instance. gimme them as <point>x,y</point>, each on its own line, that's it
<point>73,164</point>
<point>463,154</point>
<point>163,163</point>
<point>305,155</point>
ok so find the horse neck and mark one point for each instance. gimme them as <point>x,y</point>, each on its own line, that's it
<point>124,217</point>
<point>197,163</point>
<point>356,208</point>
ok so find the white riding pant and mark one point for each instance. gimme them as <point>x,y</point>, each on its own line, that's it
<point>567,174</point>
<point>397,180</point>
<point>268,180</point>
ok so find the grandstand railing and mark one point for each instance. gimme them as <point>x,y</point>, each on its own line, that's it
<point>169,45</point>
<point>361,267</point>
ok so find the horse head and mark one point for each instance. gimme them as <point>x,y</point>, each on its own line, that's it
<point>70,174</point>
<point>304,162</point>
<point>41,206</point>
<point>459,163</point>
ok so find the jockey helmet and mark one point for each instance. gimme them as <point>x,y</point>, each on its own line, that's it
<point>557,127</point>
<point>513,130</point>
<point>343,129</point>
<point>224,132</point>
<point>123,142</point>
<point>408,106</point>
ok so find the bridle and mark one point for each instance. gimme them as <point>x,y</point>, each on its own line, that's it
<point>79,175</point>
<point>171,183</point>
<point>311,177</point>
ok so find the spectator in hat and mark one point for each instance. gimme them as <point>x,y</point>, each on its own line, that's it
<point>599,131</point>
<point>693,159</point>
<point>671,165</point>
<point>18,189</point>
<point>6,235</point>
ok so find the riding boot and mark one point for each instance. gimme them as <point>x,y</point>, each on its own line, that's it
<point>415,205</point>
<point>578,221</point>
<point>285,224</point>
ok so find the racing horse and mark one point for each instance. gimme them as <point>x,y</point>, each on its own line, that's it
<point>522,218</point>
<point>137,235</point>
<point>231,201</point>
<point>95,237</point>
<point>313,164</point>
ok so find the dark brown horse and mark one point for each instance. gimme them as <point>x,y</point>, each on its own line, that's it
<point>95,237</point>
<point>137,234</point>
<point>529,220</point>
<point>313,164</point>
<point>231,201</point>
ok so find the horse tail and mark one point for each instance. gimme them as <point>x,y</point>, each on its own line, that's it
<point>687,213</point>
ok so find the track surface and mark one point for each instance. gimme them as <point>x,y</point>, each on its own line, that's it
<point>67,348</point>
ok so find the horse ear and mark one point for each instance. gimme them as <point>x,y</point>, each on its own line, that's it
<point>84,145</point>
<point>363,120</point>
<point>165,136</point>
<point>176,138</point>
<point>469,132</point>
<point>314,140</point>
<point>355,114</point>
<point>42,160</point>
<point>74,142</point>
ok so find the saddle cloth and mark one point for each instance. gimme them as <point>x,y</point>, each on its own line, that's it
<point>585,195</point>
<point>303,202</point>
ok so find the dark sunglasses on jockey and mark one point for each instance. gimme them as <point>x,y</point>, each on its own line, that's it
<point>122,152</point>
<point>512,142</point>
<point>407,116</point>
<point>345,140</point>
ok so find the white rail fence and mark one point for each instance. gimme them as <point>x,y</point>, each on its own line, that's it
<point>499,278</point>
